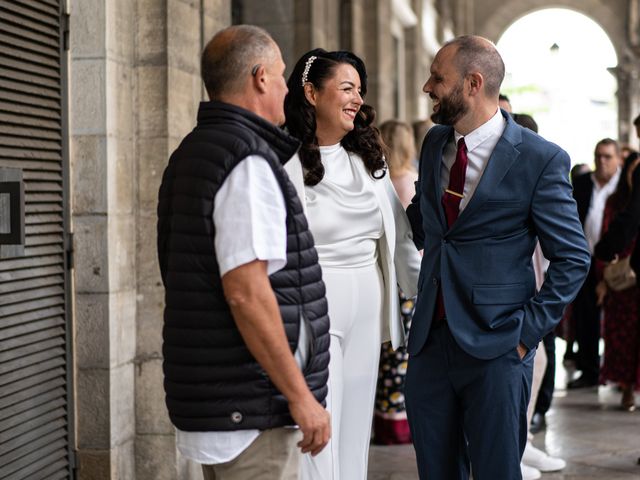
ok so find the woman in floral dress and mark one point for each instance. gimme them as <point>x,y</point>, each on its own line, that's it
<point>621,328</point>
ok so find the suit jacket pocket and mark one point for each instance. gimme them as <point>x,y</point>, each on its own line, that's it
<point>506,294</point>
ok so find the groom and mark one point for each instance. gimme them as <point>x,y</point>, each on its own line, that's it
<point>487,190</point>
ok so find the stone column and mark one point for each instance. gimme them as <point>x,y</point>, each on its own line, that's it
<point>627,74</point>
<point>446,21</point>
<point>377,42</point>
<point>170,37</point>
<point>297,26</point>
<point>422,45</point>
<point>464,16</point>
<point>135,88</point>
<point>633,23</point>
<point>415,72</point>
<point>325,24</point>
<point>155,446</point>
<point>405,29</point>
<point>283,20</point>
<point>359,29</point>
<point>102,87</point>
<point>631,94</point>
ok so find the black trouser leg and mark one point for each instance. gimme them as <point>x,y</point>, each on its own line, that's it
<point>586,315</point>
<point>545,394</point>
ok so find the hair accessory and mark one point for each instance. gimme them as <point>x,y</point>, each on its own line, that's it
<point>307,67</point>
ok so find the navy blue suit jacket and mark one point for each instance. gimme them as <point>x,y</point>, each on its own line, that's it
<point>483,262</point>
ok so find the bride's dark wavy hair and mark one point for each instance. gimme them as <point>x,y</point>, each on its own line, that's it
<point>364,139</point>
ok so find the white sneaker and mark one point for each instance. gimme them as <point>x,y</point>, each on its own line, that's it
<point>536,458</point>
<point>529,473</point>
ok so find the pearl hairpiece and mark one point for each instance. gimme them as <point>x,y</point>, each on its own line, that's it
<point>307,67</point>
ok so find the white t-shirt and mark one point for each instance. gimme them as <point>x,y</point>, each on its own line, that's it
<point>250,223</point>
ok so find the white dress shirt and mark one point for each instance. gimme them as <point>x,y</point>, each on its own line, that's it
<point>480,144</point>
<point>593,221</point>
<point>250,223</point>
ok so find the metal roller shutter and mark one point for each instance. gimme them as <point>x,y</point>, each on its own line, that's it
<point>35,412</point>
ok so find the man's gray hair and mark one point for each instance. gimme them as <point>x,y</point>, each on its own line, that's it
<point>477,54</point>
<point>231,55</point>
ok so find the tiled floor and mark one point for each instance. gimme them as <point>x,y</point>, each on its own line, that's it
<point>585,427</point>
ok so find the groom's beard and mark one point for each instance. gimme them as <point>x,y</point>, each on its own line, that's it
<point>452,108</point>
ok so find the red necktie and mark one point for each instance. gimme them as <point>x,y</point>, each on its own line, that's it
<point>451,203</point>
<point>453,195</point>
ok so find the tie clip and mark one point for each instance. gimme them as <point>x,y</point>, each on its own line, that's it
<point>454,193</point>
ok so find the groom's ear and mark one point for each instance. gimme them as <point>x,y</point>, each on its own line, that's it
<point>475,81</point>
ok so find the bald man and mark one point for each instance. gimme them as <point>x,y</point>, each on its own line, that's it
<point>246,331</point>
<point>488,190</point>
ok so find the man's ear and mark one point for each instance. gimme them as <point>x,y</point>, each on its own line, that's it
<point>476,83</point>
<point>310,93</point>
<point>259,78</point>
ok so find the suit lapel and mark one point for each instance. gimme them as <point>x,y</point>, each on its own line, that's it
<point>438,152</point>
<point>378,186</point>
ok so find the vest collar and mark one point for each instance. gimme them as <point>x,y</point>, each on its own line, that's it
<point>214,112</point>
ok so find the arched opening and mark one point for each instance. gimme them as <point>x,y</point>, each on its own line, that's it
<point>557,63</point>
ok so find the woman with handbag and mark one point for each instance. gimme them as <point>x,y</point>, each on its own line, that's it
<point>618,293</point>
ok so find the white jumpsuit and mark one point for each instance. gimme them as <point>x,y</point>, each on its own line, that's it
<point>346,223</point>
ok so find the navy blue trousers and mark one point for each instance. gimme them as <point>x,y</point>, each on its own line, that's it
<point>467,413</point>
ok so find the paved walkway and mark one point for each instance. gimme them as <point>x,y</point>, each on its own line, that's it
<point>585,427</point>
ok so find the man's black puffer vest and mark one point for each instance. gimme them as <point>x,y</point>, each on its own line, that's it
<point>212,382</point>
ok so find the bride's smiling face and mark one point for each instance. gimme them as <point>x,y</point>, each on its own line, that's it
<point>336,104</point>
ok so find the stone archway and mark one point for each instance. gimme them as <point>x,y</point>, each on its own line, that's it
<point>496,16</point>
